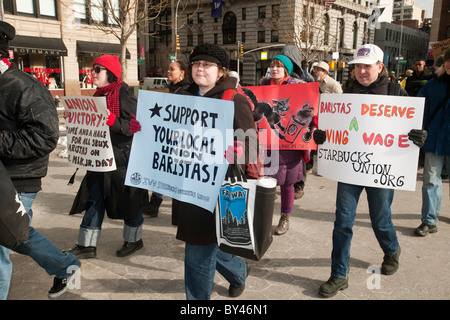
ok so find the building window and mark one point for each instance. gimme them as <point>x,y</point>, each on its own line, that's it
<point>274,37</point>
<point>243,37</point>
<point>229,28</point>
<point>261,36</point>
<point>200,17</point>
<point>275,11</point>
<point>262,12</point>
<point>326,23</point>
<point>355,35</point>
<point>190,20</point>
<point>244,13</point>
<point>36,8</point>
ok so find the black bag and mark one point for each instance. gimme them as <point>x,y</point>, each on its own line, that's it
<point>244,214</point>
<point>14,220</point>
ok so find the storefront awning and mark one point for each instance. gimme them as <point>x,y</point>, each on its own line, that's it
<point>38,46</point>
<point>96,49</point>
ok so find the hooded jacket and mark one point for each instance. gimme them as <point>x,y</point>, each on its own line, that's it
<point>29,128</point>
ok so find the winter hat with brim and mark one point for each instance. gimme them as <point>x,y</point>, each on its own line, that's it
<point>368,54</point>
<point>7,33</point>
<point>111,63</point>
<point>212,53</point>
<point>286,61</point>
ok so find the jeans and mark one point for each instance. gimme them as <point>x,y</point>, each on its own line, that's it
<point>347,198</point>
<point>39,248</point>
<point>91,224</point>
<point>432,186</point>
<point>200,264</point>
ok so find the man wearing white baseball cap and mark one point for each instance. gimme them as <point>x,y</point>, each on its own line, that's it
<point>326,83</point>
<point>371,78</point>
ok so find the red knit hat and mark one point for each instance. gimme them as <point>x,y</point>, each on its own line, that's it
<point>111,63</point>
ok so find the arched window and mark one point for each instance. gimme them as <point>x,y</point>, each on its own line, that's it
<point>229,28</point>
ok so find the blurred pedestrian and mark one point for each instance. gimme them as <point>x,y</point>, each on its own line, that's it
<point>436,121</point>
<point>419,77</point>
<point>29,131</point>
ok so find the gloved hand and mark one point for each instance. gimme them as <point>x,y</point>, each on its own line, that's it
<point>319,136</point>
<point>418,137</point>
<point>231,150</point>
<point>135,126</point>
<point>111,119</point>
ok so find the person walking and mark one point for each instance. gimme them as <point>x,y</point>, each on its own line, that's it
<point>29,131</point>
<point>105,191</point>
<point>196,226</point>
<point>290,169</point>
<point>436,121</point>
<point>177,74</point>
<point>371,78</point>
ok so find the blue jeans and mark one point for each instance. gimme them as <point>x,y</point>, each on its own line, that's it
<point>39,248</point>
<point>432,186</point>
<point>347,198</point>
<point>200,264</point>
<point>91,224</point>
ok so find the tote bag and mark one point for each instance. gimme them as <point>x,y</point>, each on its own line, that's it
<point>244,213</point>
<point>14,220</point>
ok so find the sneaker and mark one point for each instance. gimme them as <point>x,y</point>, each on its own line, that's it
<point>332,286</point>
<point>129,248</point>
<point>390,263</point>
<point>425,229</point>
<point>83,252</point>
<point>59,286</point>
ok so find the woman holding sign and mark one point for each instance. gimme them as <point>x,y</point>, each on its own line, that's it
<point>105,191</point>
<point>371,78</point>
<point>196,226</point>
<point>290,169</point>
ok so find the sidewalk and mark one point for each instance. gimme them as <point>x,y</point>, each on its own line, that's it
<point>296,264</point>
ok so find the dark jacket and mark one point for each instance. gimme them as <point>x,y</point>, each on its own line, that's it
<point>29,128</point>
<point>179,87</point>
<point>197,225</point>
<point>381,86</point>
<point>438,138</point>
<point>415,82</point>
<point>121,201</point>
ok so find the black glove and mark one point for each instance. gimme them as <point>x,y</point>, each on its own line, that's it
<point>418,137</point>
<point>319,136</point>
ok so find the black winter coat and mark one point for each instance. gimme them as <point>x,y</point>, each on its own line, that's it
<point>121,201</point>
<point>29,128</point>
<point>195,224</point>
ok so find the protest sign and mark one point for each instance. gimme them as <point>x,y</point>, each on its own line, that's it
<point>179,151</point>
<point>88,138</point>
<point>283,114</point>
<point>367,139</point>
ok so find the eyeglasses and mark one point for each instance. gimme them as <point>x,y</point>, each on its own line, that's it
<point>204,65</point>
<point>97,69</point>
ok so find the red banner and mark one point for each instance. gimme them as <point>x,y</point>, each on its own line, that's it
<point>283,114</point>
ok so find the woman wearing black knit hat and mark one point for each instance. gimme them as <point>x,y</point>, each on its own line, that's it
<point>196,226</point>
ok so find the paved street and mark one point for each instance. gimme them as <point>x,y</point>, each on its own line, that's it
<point>293,268</point>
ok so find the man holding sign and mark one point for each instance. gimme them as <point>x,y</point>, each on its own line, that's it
<point>371,78</point>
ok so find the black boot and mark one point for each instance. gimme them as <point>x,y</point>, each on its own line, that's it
<point>153,206</point>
